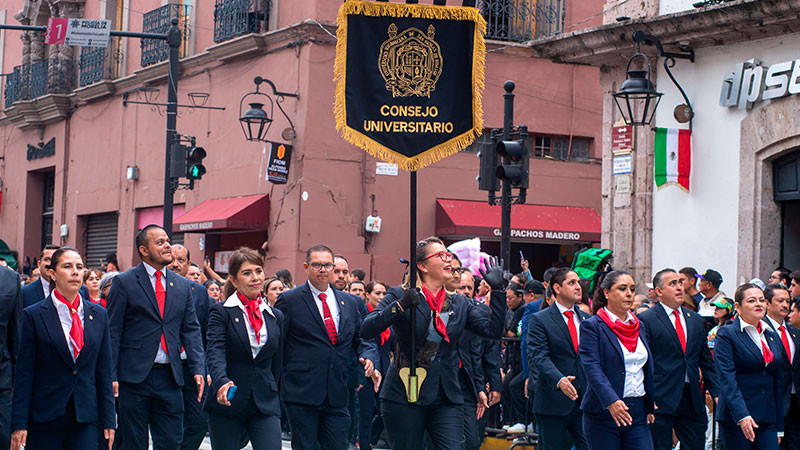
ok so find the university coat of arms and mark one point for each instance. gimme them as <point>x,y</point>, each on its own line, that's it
<point>410,62</point>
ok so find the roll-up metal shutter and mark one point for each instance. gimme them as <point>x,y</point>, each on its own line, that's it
<point>101,238</point>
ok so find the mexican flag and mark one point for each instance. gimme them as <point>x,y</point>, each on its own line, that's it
<point>673,157</point>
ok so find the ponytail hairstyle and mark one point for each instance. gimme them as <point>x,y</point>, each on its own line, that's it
<point>239,257</point>
<point>606,282</point>
<point>420,253</point>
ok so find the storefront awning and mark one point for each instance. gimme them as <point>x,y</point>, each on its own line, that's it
<point>250,212</point>
<point>532,223</point>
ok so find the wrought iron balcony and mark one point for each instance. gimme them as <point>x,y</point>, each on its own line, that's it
<point>158,21</point>
<point>42,77</point>
<point>522,20</point>
<point>234,18</point>
<point>98,64</point>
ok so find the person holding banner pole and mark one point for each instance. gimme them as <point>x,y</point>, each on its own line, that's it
<point>441,318</point>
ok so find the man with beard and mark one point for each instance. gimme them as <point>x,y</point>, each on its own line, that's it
<point>341,272</point>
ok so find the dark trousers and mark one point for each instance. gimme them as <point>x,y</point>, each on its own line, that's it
<point>407,423</point>
<point>156,403</point>
<point>367,409</point>
<point>226,430</point>
<point>603,434</point>
<point>733,438</point>
<point>519,403</point>
<point>315,427</point>
<point>689,425</point>
<point>62,433</point>
<point>195,420</point>
<point>511,413</point>
<point>5,418</point>
<point>561,432</point>
<point>469,411</point>
<point>791,436</point>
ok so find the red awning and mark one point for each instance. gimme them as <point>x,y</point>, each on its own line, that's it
<point>464,218</point>
<point>250,212</point>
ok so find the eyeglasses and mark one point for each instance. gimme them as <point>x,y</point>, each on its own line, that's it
<point>319,266</point>
<point>445,256</point>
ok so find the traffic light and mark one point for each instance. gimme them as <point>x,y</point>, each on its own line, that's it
<point>516,172</point>
<point>194,163</point>
<point>177,166</point>
<point>487,178</point>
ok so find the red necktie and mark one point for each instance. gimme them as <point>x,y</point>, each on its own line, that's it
<point>161,297</point>
<point>76,331</point>
<point>573,332</point>
<point>785,339</point>
<point>765,350</point>
<point>679,329</point>
<point>330,326</point>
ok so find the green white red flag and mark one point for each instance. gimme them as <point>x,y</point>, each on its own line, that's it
<point>673,151</point>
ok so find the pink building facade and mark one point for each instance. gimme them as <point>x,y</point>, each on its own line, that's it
<point>65,156</point>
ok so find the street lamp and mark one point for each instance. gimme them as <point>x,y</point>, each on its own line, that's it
<point>256,121</point>
<point>637,98</point>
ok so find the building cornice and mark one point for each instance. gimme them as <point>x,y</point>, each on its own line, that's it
<point>727,23</point>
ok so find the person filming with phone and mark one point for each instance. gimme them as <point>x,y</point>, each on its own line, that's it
<point>245,338</point>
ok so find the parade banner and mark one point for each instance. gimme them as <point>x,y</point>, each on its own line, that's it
<point>409,79</point>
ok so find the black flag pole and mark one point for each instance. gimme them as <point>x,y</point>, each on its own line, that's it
<point>412,386</point>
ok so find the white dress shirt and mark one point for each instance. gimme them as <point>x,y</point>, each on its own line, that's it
<point>755,336</point>
<point>161,355</point>
<point>65,317</point>
<point>634,363</point>
<point>671,314</point>
<point>45,286</point>
<point>332,304</point>
<point>255,344</point>
<point>575,320</point>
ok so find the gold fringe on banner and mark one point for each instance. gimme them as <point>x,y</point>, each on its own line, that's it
<point>417,11</point>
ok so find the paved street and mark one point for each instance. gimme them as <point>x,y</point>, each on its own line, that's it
<point>207,445</point>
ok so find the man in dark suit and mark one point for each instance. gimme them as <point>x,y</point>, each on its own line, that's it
<point>152,316</point>
<point>778,306</point>
<point>679,356</point>
<point>40,289</point>
<point>322,326</point>
<point>10,313</point>
<point>195,420</point>
<point>559,381</point>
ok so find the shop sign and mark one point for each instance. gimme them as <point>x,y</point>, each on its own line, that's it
<point>541,234</point>
<point>622,138</point>
<point>221,260</point>
<point>622,164</point>
<point>42,150</point>
<point>383,168</point>
<point>280,155</point>
<point>196,226</point>
<point>750,82</point>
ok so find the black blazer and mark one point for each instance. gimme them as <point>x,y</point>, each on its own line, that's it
<point>314,369</point>
<point>10,313</point>
<point>34,293</point>
<point>202,303</point>
<point>136,326</point>
<point>463,314</point>
<point>794,366</point>
<point>551,353</point>
<point>669,361</point>
<point>47,376</point>
<point>230,359</point>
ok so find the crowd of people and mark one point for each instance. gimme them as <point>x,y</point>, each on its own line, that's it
<point>171,351</point>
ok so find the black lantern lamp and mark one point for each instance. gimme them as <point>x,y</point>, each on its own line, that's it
<point>637,98</point>
<point>256,121</point>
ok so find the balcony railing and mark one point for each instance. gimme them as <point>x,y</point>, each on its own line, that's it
<point>522,20</point>
<point>158,21</point>
<point>234,18</point>
<point>98,64</point>
<point>42,77</point>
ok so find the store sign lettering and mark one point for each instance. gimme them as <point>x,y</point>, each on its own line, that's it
<point>750,82</point>
<point>540,234</point>
<point>194,226</point>
<point>42,150</point>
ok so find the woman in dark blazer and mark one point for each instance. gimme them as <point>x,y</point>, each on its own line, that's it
<point>440,320</point>
<point>244,351</point>
<point>370,423</point>
<point>618,405</point>
<point>751,375</point>
<point>62,385</point>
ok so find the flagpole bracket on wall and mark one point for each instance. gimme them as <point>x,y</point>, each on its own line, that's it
<point>683,113</point>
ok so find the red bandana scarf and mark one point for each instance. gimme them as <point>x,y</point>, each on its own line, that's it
<point>765,350</point>
<point>385,333</point>
<point>76,331</point>
<point>435,303</point>
<point>627,333</point>
<point>253,313</point>
<point>100,301</point>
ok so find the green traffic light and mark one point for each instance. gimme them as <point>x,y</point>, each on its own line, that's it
<point>195,171</point>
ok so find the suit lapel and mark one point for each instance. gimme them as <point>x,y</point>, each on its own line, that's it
<point>170,300</point>
<point>311,303</point>
<point>555,316</point>
<point>53,326</point>
<point>343,318</point>
<point>742,334</point>
<point>690,332</point>
<point>667,323</point>
<point>39,289</point>
<point>612,337</point>
<point>144,283</point>
<point>271,324</point>
<point>91,337</point>
<point>237,320</point>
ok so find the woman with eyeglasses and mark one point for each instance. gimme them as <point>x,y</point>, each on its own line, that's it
<point>440,320</point>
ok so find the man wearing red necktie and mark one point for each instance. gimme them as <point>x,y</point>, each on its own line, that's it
<point>679,356</point>
<point>152,315</point>
<point>778,305</point>
<point>323,328</point>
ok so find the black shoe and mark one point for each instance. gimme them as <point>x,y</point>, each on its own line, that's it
<point>286,436</point>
